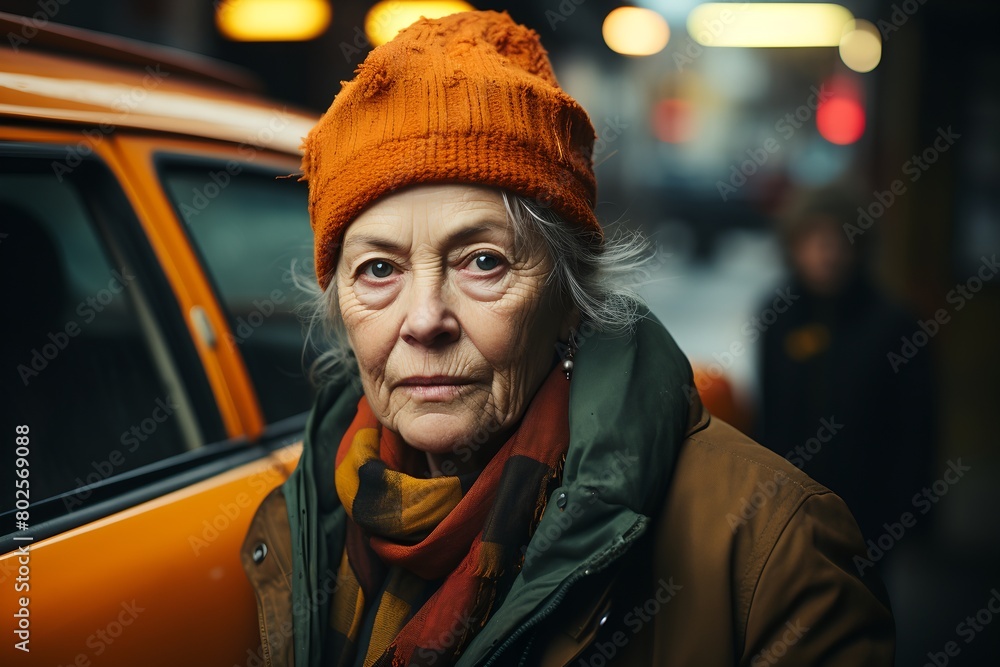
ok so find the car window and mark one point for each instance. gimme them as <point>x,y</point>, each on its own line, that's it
<point>89,363</point>
<point>250,226</point>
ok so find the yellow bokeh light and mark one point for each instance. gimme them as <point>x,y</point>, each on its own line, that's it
<point>634,31</point>
<point>777,24</point>
<point>387,18</point>
<point>861,46</point>
<point>273,20</point>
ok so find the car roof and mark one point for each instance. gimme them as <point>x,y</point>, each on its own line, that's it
<point>70,75</point>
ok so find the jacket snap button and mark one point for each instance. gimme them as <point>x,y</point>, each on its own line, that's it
<point>259,552</point>
<point>561,501</point>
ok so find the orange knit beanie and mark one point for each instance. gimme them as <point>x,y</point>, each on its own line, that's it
<point>469,98</point>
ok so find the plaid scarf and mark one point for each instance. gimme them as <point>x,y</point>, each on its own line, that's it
<point>437,556</point>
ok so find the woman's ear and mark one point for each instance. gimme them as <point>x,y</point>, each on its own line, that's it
<point>570,322</point>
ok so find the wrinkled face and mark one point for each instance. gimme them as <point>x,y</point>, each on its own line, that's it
<point>453,330</point>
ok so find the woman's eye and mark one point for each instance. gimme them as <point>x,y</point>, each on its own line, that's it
<point>486,262</point>
<point>379,269</point>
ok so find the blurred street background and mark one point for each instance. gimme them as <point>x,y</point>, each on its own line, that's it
<point>822,185</point>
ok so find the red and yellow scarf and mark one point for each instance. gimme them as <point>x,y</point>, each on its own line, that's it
<point>439,554</point>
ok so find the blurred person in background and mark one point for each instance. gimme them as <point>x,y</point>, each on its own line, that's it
<point>468,495</point>
<point>834,404</point>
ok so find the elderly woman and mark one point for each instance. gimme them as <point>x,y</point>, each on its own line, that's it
<point>514,469</point>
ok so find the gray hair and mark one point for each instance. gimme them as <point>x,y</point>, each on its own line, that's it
<point>600,279</point>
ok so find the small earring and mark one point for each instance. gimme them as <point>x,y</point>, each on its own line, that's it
<point>567,364</point>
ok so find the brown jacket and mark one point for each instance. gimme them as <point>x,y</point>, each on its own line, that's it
<point>750,563</point>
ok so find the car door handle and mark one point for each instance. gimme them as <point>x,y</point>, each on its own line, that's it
<point>203,326</point>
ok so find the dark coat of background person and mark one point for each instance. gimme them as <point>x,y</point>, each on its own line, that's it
<point>877,458</point>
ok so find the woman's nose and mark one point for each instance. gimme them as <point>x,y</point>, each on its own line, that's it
<point>430,322</point>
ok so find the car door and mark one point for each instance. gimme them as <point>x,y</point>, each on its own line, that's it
<point>134,401</point>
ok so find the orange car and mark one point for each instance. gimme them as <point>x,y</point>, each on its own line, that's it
<point>152,363</point>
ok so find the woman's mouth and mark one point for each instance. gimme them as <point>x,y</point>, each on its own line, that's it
<point>435,387</point>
